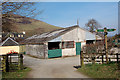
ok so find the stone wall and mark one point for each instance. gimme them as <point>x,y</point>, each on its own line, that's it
<point>37,50</point>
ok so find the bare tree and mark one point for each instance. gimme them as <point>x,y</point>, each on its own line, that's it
<point>19,8</point>
<point>92,25</point>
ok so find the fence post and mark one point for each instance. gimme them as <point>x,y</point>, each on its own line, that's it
<point>20,61</point>
<point>82,59</point>
<point>109,59</point>
<point>7,64</point>
<point>4,63</point>
<point>117,57</point>
<point>1,62</point>
<point>93,60</point>
<point>102,59</point>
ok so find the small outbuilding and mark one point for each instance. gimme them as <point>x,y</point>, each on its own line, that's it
<point>61,42</point>
<point>10,45</point>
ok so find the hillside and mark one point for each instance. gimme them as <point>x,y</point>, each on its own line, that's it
<point>30,26</point>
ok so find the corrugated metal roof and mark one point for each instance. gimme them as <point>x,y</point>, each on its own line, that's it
<point>47,36</point>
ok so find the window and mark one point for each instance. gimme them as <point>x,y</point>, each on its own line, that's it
<point>21,35</point>
<point>18,35</point>
<point>54,45</point>
<point>68,44</point>
<point>11,35</point>
<point>89,41</point>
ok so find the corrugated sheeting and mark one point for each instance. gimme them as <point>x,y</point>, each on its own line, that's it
<point>45,37</point>
<point>90,36</point>
<point>77,35</point>
<point>74,33</point>
<point>58,39</point>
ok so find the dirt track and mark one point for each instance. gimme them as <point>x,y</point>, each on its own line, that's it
<point>53,68</point>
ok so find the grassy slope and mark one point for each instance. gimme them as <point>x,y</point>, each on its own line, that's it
<point>101,70</point>
<point>36,28</point>
<point>30,26</point>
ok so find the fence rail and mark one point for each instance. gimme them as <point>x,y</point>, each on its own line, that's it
<point>98,58</point>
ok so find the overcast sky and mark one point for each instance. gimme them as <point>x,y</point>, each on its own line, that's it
<point>65,14</point>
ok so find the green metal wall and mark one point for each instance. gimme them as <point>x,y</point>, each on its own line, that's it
<point>54,53</point>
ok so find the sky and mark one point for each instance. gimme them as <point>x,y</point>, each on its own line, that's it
<point>65,14</point>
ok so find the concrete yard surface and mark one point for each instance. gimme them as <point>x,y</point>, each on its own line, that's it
<point>53,68</point>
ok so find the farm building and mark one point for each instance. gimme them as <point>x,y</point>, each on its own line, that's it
<point>58,43</point>
<point>10,45</point>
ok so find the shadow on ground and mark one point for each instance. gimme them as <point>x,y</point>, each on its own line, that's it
<point>77,66</point>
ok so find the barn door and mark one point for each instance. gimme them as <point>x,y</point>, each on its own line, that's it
<point>78,48</point>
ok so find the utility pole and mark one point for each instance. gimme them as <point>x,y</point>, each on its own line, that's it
<point>105,40</point>
<point>77,22</point>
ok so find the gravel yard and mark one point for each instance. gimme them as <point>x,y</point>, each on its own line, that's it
<point>53,68</point>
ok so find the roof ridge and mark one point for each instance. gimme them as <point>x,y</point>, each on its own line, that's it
<point>6,41</point>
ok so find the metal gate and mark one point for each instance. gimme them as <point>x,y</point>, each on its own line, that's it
<point>54,53</point>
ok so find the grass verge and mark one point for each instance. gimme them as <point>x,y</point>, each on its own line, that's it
<point>16,74</point>
<point>101,70</point>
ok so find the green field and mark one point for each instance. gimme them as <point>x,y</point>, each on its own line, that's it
<point>101,70</point>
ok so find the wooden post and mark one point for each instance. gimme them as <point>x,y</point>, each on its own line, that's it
<point>109,60</point>
<point>1,63</point>
<point>102,59</point>
<point>117,58</point>
<point>82,59</point>
<point>118,62</point>
<point>4,63</point>
<point>10,58</point>
<point>93,60</point>
<point>7,64</point>
<point>20,61</point>
<point>105,36</point>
